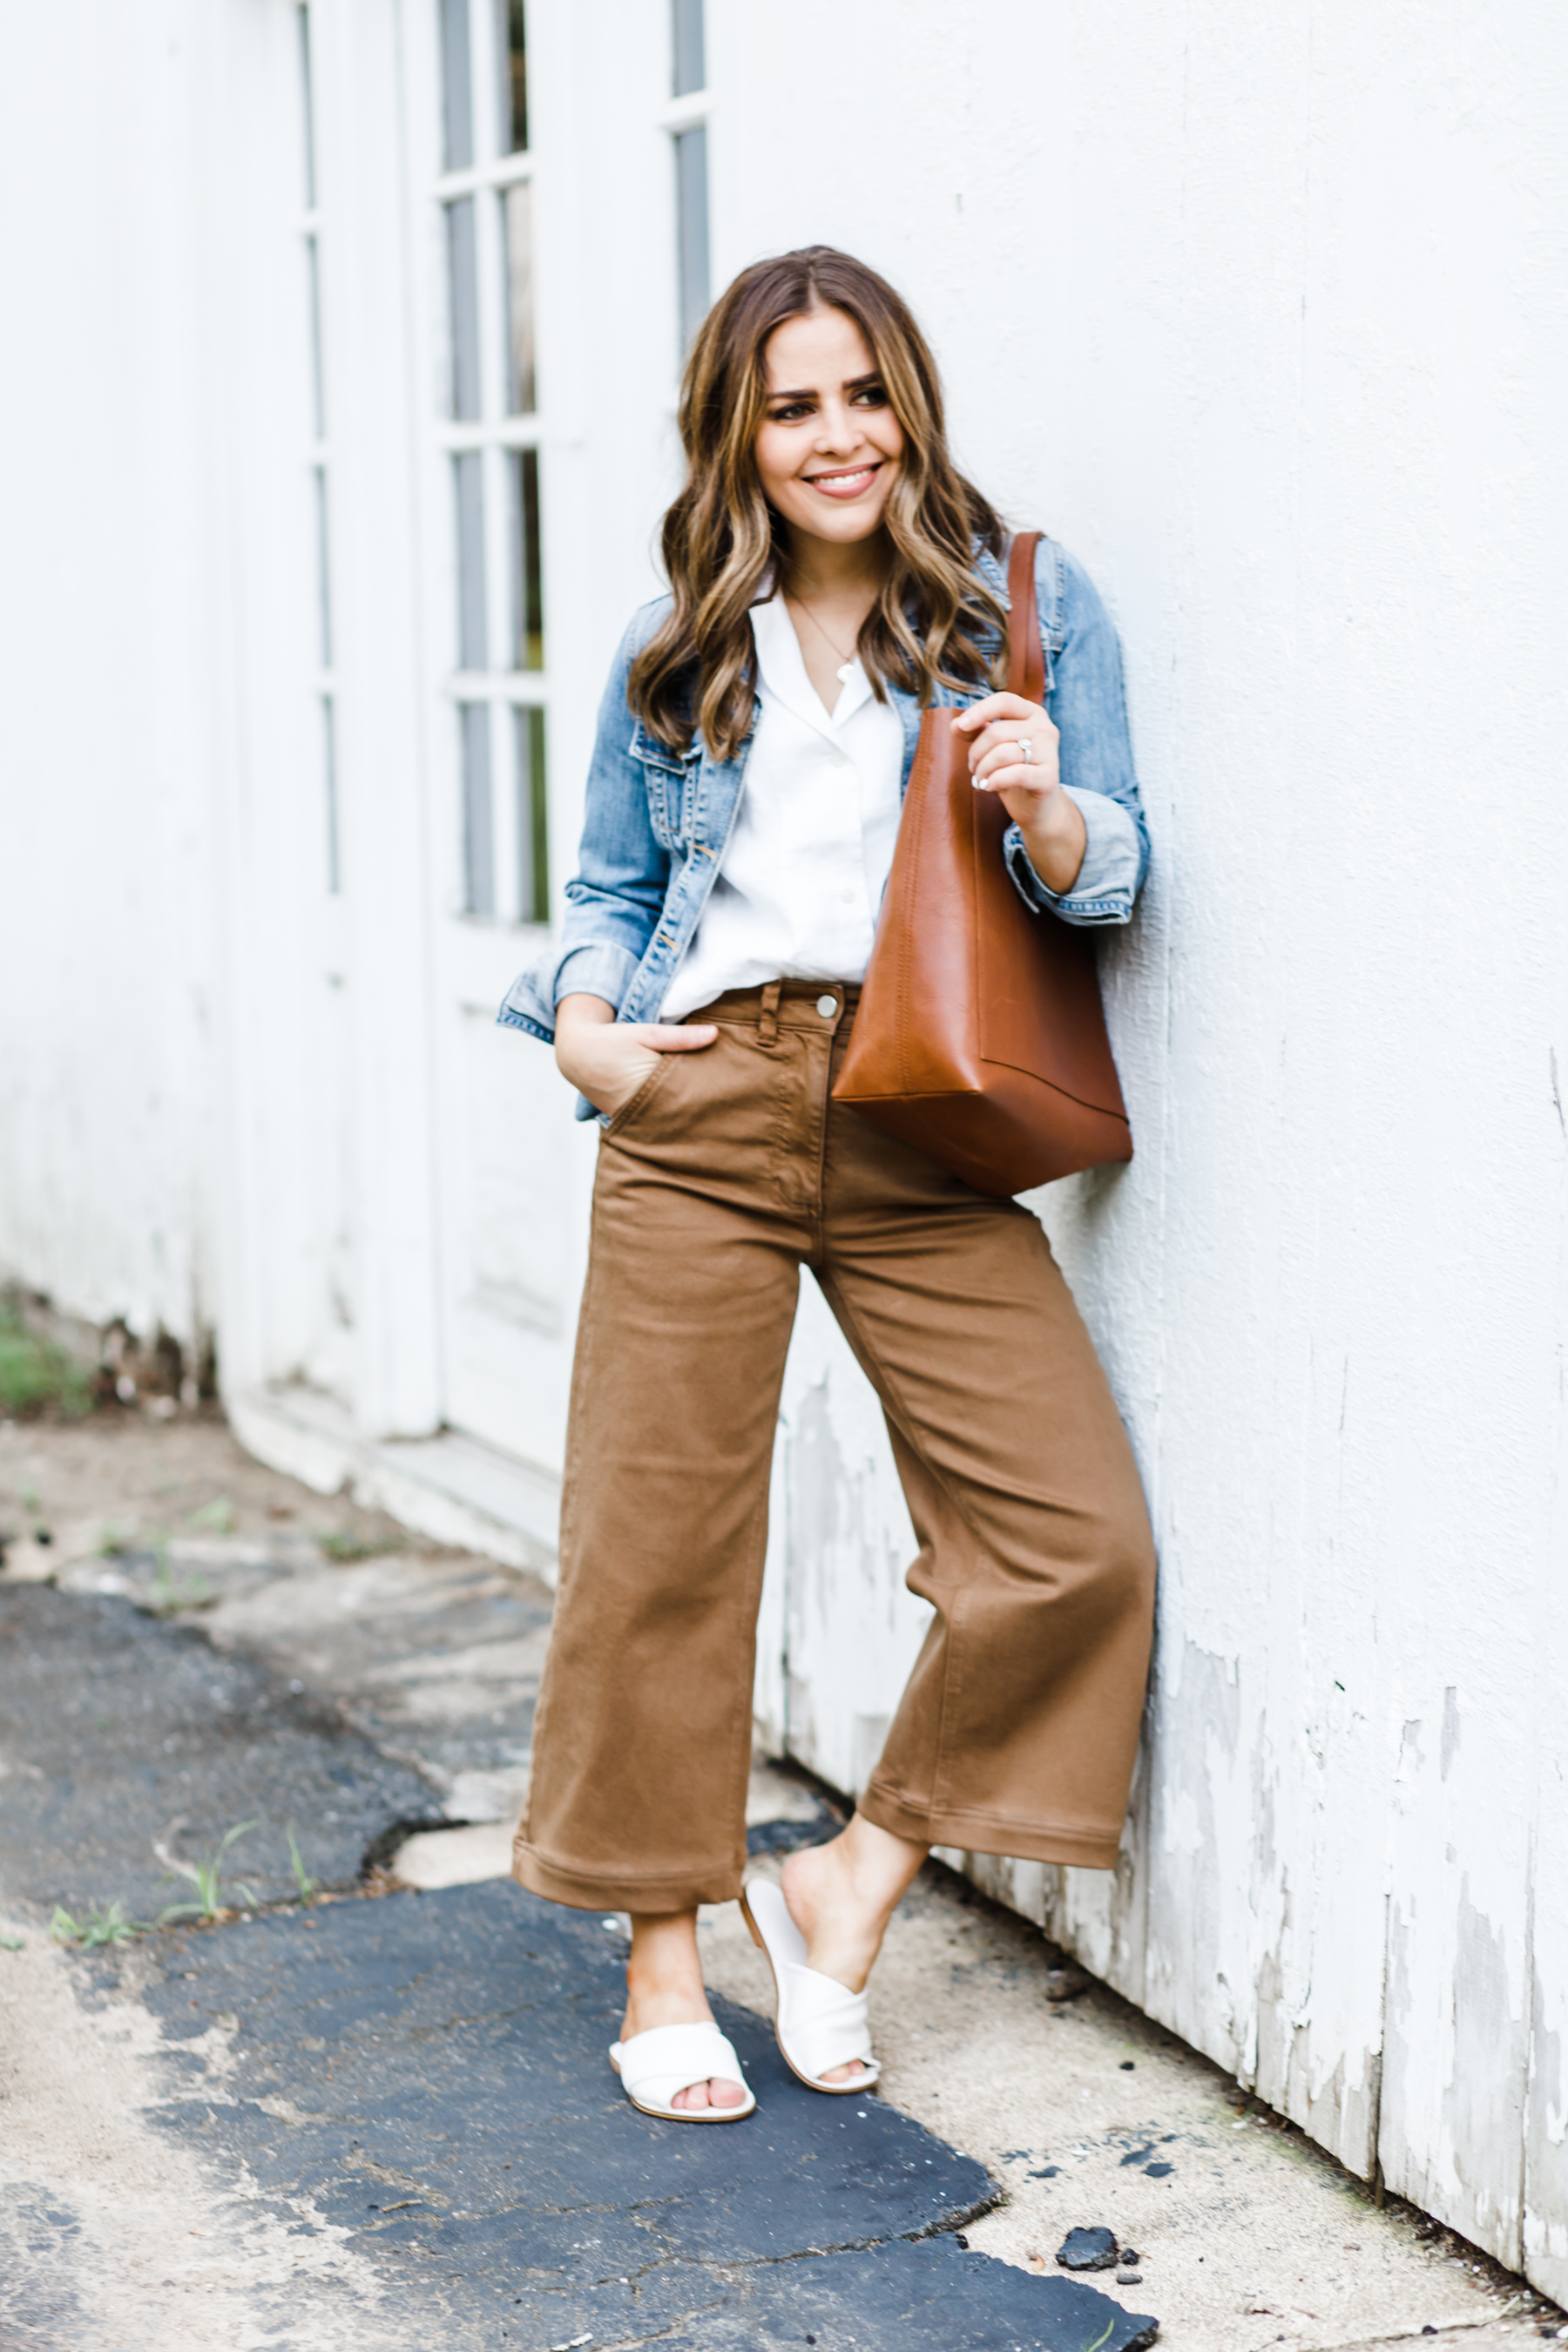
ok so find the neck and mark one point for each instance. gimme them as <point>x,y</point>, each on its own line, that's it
<point>826,568</point>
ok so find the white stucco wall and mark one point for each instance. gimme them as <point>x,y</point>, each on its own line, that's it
<point>106,941</point>
<point>1256,311</point>
<point>176,1135</point>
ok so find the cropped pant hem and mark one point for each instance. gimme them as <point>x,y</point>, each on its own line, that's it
<point>981,1833</point>
<point>591,1890</point>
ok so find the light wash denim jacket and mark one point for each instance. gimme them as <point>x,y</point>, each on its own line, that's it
<point>658,822</point>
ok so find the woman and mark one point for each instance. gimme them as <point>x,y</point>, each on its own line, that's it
<point>831,574</point>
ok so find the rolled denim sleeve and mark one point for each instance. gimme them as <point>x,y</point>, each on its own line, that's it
<point>606,972</point>
<point>1086,701</point>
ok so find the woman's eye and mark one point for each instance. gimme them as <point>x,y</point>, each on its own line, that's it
<point>872,395</point>
<point>797,408</point>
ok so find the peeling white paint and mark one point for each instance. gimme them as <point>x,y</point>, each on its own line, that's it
<point>1298,435</point>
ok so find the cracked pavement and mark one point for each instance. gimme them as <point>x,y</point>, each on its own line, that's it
<point>198,2133</point>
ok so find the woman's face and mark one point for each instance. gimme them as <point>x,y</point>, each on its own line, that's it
<point>829,444</point>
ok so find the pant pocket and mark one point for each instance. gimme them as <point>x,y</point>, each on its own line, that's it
<point>619,1120</point>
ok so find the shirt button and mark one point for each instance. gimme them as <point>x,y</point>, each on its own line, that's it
<point>827,1006</point>
<point>847,897</point>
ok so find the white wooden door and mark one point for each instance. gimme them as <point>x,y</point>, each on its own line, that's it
<point>548,421</point>
<point>504,1154</point>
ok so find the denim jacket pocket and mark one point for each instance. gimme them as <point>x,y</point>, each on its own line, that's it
<point>664,776</point>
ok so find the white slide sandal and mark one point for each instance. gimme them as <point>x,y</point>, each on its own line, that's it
<point>655,2066</point>
<point>819,2022</point>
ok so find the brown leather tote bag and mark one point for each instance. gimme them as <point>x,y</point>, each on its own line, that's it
<point>980,1036</point>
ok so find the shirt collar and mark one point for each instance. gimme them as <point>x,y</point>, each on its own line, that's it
<point>783,672</point>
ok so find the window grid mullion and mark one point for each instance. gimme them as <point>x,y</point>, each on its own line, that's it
<point>491,704</point>
<point>497,557</point>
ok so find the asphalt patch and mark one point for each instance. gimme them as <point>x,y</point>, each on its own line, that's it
<point>424,2079</point>
<point>426,2075</point>
<point>120,1730</point>
<point>1089,2250</point>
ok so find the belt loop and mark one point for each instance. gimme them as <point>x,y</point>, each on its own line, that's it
<point>768,1026</point>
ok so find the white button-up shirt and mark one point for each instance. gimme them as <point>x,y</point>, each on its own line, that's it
<point>812,845</point>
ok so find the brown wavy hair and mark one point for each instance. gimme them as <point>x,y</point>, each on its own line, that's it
<point>935,622</point>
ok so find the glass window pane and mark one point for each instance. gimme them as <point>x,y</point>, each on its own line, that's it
<point>533,819</point>
<point>473,636</point>
<point>463,283</point>
<point>318,391</point>
<point>308,108</point>
<point>691,71</point>
<point>527,581</point>
<point>457,86</point>
<point>479,833</point>
<point>323,573</point>
<point>692,228</point>
<point>330,774</point>
<point>511,49</point>
<point>517,228</point>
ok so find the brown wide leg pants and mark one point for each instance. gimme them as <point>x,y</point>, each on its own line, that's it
<point>727,1172</point>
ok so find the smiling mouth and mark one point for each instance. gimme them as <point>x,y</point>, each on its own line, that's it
<point>845,481</point>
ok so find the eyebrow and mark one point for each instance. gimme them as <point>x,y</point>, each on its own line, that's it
<point>851,383</point>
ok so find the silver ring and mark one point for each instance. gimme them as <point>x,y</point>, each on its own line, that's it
<point>1025,749</point>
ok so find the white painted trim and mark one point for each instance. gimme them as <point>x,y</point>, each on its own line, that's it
<point>688,113</point>
<point>527,686</point>
<point>505,173</point>
<point>509,433</point>
<point>455,1489</point>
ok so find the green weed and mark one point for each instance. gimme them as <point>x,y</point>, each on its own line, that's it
<point>12,1943</point>
<point>35,1376</point>
<point>169,1593</point>
<point>346,1548</point>
<point>216,1518</point>
<point>101,1926</point>
<point>302,1878</point>
<point>213,1891</point>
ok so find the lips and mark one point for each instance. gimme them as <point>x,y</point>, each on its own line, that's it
<point>848,482</point>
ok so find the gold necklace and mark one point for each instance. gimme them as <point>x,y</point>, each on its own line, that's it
<point>846,669</point>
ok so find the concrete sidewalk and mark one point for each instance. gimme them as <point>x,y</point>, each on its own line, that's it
<point>195,2130</point>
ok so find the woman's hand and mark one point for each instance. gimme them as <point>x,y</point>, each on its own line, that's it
<point>606,1059</point>
<point>1013,753</point>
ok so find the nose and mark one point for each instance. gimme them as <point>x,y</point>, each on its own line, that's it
<point>838,428</point>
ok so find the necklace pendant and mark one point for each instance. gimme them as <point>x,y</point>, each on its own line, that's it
<point>844,673</point>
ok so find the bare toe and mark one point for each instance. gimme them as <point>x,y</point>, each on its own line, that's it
<point>721,2094</point>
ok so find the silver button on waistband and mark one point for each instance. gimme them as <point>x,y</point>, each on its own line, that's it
<point>827,1006</point>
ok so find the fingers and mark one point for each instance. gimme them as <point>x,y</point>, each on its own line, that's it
<point>995,707</point>
<point>1005,760</point>
<point>1030,741</point>
<point>1010,753</point>
<point>674,1036</point>
<point>1016,779</point>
